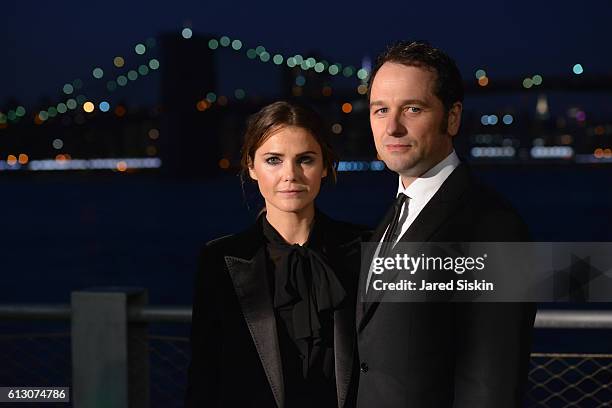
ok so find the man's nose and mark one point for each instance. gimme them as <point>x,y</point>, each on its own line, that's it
<point>395,126</point>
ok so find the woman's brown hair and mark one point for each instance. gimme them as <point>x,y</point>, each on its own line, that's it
<point>278,115</point>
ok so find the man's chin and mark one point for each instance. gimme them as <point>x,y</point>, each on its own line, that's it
<point>405,168</point>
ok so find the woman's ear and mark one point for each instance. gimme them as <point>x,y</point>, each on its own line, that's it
<point>324,172</point>
<point>252,172</point>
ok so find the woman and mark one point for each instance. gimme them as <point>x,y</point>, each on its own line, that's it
<point>274,306</point>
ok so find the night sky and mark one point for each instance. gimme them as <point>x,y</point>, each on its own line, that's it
<point>47,44</point>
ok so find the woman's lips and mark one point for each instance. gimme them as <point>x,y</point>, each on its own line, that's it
<point>291,192</point>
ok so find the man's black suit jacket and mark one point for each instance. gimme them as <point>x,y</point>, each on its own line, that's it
<point>236,359</point>
<point>439,355</point>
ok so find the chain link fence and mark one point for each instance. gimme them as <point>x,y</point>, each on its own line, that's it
<point>570,380</point>
<point>168,363</point>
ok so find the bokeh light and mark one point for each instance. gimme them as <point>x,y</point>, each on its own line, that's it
<point>88,107</point>
<point>140,49</point>
<point>362,74</point>
<point>187,33</point>
<point>68,89</point>
<point>119,62</point>
<point>577,69</point>
<point>239,93</point>
<point>98,73</point>
<point>236,44</point>
<point>537,79</point>
<point>481,73</point>
<point>224,163</point>
<point>153,134</point>
<point>277,59</point>
<point>211,97</point>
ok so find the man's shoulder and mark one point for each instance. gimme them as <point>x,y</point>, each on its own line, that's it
<point>493,215</point>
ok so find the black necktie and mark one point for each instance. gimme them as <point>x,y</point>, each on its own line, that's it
<point>395,227</point>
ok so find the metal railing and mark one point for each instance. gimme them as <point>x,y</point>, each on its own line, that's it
<point>109,328</point>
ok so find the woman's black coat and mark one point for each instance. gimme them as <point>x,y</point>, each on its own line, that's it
<point>236,360</point>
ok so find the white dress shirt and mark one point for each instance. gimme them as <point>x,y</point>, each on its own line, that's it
<point>419,192</point>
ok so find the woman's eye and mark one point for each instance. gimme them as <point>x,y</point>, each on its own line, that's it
<point>306,160</point>
<point>273,160</point>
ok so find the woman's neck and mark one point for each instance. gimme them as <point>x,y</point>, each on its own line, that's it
<point>294,227</point>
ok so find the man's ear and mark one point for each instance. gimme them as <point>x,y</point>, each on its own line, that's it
<point>454,119</point>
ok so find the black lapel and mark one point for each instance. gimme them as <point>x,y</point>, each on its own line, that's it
<point>248,273</point>
<point>430,219</point>
<point>440,207</point>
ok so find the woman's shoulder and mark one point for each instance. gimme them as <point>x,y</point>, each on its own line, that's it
<point>238,244</point>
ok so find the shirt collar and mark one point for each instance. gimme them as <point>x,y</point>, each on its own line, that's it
<point>426,185</point>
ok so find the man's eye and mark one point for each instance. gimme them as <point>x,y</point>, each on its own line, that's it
<point>414,109</point>
<point>273,160</point>
<point>381,111</point>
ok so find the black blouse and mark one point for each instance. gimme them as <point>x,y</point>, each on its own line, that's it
<point>306,292</point>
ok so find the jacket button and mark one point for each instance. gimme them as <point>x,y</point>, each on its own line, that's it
<point>364,367</point>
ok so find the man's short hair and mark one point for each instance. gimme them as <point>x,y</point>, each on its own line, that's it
<point>448,86</point>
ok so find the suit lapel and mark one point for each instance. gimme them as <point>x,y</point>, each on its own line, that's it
<point>429,220</point>
<point>440,207</point>
<point>251,286</point>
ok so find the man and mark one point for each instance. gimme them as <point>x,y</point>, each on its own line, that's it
<point>438,355</point>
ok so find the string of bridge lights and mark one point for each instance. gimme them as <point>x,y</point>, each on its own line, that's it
<point>70,88</point>
<point>98,73</point>
<point>260,52</point>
